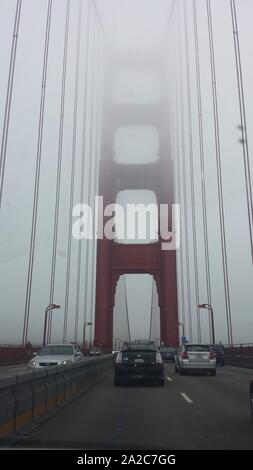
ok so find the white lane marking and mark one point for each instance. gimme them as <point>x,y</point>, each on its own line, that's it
<point>186,398</point>
<point>169,379</point>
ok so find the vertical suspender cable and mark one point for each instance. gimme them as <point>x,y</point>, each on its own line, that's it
<point>8,101</point>
<point>98,16</point>
<point>72,179</point>
<point>243,124</point>
<point>93,186</point>
<point>96,175</point>
<point>83,167</point>
<point>37,175</point>
<point>151,311</point>
<point>90,173</point>
<point>219,174</point>
<point>127,309</point>
<point>183,163</point>
<point>202,159</point>
<point>172,9</point>
<point>192,185</point>
<point>59,166</point>
<point>179,190</point>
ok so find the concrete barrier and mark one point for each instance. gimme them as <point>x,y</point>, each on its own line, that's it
<point>7,407</point>
<point>39,394</point>
<point>29,398</point>
<point>23,397</point>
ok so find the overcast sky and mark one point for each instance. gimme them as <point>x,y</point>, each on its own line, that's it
<point>130,25</point>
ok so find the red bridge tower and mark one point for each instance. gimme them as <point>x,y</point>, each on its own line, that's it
<point>115,259</point>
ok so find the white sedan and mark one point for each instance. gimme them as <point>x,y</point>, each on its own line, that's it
<point>56,355</point>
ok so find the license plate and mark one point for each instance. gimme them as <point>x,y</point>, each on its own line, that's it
<point>197,356</point>
<point>139,361</point>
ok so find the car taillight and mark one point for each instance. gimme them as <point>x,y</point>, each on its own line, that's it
<point>119,358</point>
<point>184,355</point>
<point>158,358</point>
<point>212,355</point>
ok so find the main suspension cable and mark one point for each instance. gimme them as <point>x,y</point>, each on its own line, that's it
<point>243,123</point>
<point>8,102</point>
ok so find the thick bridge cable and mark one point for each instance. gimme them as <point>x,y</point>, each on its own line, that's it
<point>83,168</point>
<point>202,159</point>
<point>37,174</point>
<point>243,123</point>
<point>219,174</point>
<point>59,167</point>
<point>72,179</point>
<point>8,102</point>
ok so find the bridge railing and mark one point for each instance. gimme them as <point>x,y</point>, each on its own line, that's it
<point>239,355</point>
<point>16,354</point>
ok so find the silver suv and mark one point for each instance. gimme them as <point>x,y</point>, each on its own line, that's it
<point>195,358</point>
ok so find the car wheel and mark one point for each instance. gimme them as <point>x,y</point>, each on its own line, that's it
<point>213,372</point>
<point>161,382</point>
<point>181,371</point>
<point>176,369</point>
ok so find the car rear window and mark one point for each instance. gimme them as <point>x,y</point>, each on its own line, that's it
<point>145,355</point>
<point>197,347</point>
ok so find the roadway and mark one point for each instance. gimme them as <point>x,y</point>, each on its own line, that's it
<point>189,412</point>
<point>13,369</point>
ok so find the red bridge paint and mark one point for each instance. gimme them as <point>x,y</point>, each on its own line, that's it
<point>114,260</point>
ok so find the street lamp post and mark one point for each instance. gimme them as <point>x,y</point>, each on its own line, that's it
<point>180,323</point>
<point>49,307</point>
<point>86,323</point>
<point>209,307</point>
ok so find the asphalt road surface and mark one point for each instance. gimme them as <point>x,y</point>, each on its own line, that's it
<point>189,412</point>
<point>13,370</point>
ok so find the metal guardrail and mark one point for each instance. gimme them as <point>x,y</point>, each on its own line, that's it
<point>239,355</point>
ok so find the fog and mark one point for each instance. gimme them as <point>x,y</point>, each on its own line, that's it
<point>130,27</point>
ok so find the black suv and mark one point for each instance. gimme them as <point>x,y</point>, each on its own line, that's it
<point>219,353</point>
<point>139,360</point>
<point>168,353</point>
